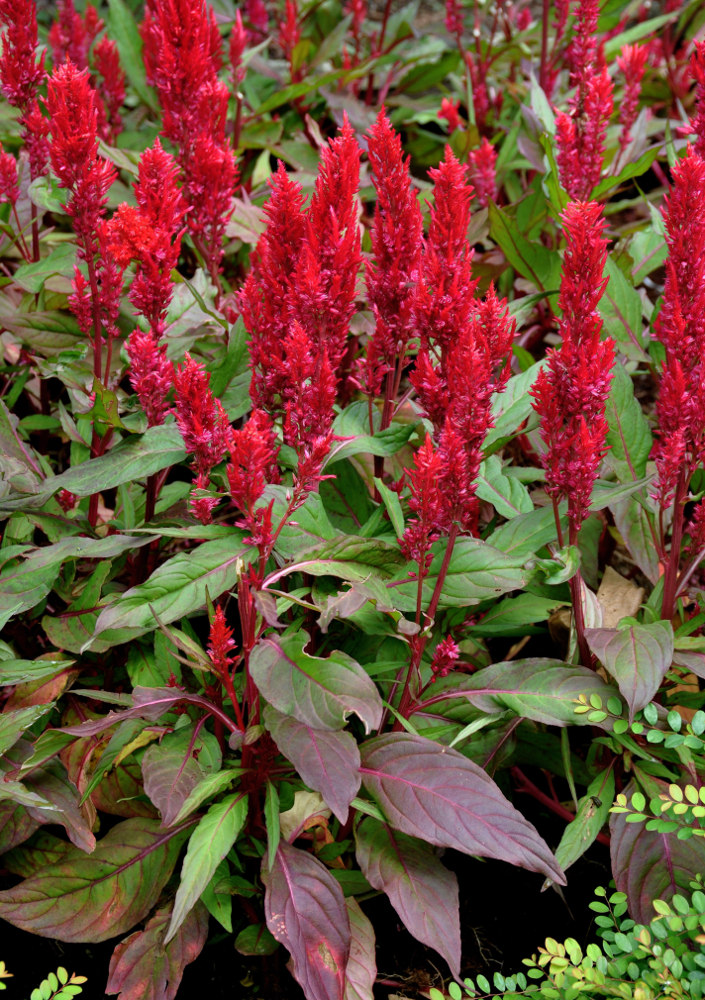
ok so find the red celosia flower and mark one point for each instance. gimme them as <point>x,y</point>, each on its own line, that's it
<point>480,96</point>
<point>632,63</point>
<point>111,85</point>
<point>68,36</point>
<point>150,234</point>
<point>482,172</point>
<point>253,463</point>
<point>323,286</point>
<point>397,239</point>
<point>66,500</point>
<point>258,19</point>
<point>182,53</point>
<point>220,642</point>
<point>697,68</point>
<point>444,297</point>
<point>449,111</point>
<point>238,44</point>
<point>696,530</point>
<point>266,293</point>
<point>454,17</point>
<point>9,186</point>
<point>425,502</point>
<point>74,152</point>
<point>580,137</point>
<point>290,36</point>
<point>680,447</point>
<point>21,75</point>
<point>183,57</point>
<point>201,419</point>
<point>444,657</point>
<point>151,374</point>
<point>570,393</point>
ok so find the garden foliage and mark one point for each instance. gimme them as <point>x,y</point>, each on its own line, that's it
<point>353,428</point>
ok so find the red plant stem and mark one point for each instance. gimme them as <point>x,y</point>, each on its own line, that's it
<point>525,785</point>
<point>151,497</point>
<point>408,701</point>
<point>557,519</point>
<point>383,29</point>
<point>688,571</point>
<point>20,241</point>
<point>35,233</point>
<point>543,72</point>
<point>238,122</point>
<point>670,577</point>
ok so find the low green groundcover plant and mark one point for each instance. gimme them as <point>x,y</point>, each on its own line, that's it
<point>57,985</point>
<point>352,412</point>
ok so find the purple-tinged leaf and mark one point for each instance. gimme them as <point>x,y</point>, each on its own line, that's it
<point>210,842</point>
<point>143,967</point>
<point>539,689</point>
<point>638,657</point>
<point>647,865</point>
<point>97,896</point>
<point>634,520</point>
<point>421,889</point>
<point>28,859</point>
<point>347,557</point>
<point>173,768</point>
<point>321,693</point>
<point>52,783</point>
<point>361,970</point>
<point>305,911</point>
<point>16,825</point>
<point>429,791</point>
<point>327,761</point>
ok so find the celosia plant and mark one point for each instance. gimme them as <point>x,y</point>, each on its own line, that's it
<point>335,348</point>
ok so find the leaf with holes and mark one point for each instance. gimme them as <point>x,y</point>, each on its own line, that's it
<point>321,693</point>
<point>305,911</point>
<point>432,792</point>
<point>638,657</point>
<point>143,967</point>
<point>422,890</point>
<point>93,897</point>
<point>328,761</point>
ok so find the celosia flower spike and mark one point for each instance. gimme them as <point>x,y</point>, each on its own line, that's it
<point>482,162</point>
<point>220,642</point>
<point>697,68</point>
<point>21,75</point>
<point>201,419</point>
<point>632,63</point>
<point>111,85</point>
<point>397,240</point>
<point>151,374</point>
<point>253,464</point>
<point>570,393</point>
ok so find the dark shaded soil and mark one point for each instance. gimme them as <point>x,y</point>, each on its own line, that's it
<point>504,914</point>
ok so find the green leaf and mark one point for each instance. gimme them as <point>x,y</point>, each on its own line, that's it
<point>476,572</point>
<point>25,583</point>
<point>512,407</point>
<point>629,436</point>
<point>532,260</point>
<point>176,588</point>
<point>33,277</point>
<point>535,688</point>
<point>98,896</point>
<point>209,843</point>
<point>349,557</point>
<point>207,788</point>
<point>390,499</point>
<point>508,496</point>
<point>122,27</point>
<point>271,819</point>
<point>620,308</point>
<point>592,814</point>
<point>638,657</point>
<point>353,423</point>
<point>523,536</point>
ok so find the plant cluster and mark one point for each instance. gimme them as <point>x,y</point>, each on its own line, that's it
<point>663,958</point>
<point>353,421</point>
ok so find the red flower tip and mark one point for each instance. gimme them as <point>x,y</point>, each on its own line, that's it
<point>201,419</point>
<point>444,657</point>
<point>449,111</point>
<point>220,643</point>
